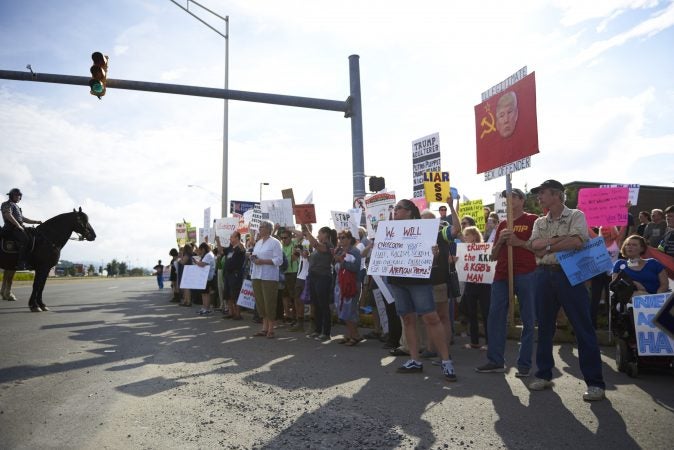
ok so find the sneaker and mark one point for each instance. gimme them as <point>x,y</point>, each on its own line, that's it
<point>411,366</point>
<point>322,337</point>
<point>490,367</point>
<point>201,312</point>
<point>448,370</point>
<point>522,372</point>
<point>593,394</point>
<point>540,384</point>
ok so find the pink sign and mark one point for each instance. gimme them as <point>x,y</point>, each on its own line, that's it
<point>604,206</point>
<point>420,202</point>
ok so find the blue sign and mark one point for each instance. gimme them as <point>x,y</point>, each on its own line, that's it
<point>239,207</point>
<point>581,265</point>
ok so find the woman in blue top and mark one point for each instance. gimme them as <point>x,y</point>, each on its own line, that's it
<point>649,275</point>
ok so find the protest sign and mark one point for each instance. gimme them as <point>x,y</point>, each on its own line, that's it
<point>651,340</point>
<point>349,220</point>
<point>225,227</point>
<point>474,209</point>
<point>253,217</point>
<point>242,227</point>
<point>500,206</point>
<point>279,211</point>
<point>604,206</point>
<point>202,232</point>
<point>634,191</point>
<point>288,193</point>
<point>207,217</point>
<point>246,295</point>
<point>436,186</point>
<point>194,277</point>
<point>425,158</point>
<point>378,207</point>
<point>420,202</point>
<point>383,288</point>
<point>181,234</point>
<point>583,264</point>
<point>381,309</point>
<point>192,234</point>
<point>474,264</point>
<point>304,214</point>
<point>506,129</point>
<point>402,248</point>
<point>211,235</point>
<point>240,207</point>
<point>354,221</point>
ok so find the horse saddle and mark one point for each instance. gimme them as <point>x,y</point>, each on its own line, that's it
<point>11,246</point>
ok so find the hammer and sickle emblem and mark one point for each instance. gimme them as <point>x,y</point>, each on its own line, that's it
<point>488,124</point>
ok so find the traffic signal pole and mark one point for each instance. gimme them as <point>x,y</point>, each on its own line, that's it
<point>351,107</point>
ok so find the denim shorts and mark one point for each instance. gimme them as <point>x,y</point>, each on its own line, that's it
<point>413,298</point>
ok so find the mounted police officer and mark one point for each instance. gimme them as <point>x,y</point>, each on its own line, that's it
<point>13,228</point>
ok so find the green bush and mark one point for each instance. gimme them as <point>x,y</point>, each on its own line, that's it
<point>21,276</point>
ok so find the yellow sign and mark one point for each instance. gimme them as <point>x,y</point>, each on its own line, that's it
<point>474,209</point>
<point>436,186</point>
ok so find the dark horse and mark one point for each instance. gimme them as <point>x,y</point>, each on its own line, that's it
<point>50,238</point>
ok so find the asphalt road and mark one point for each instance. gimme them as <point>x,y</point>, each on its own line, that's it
<point>115,365</point>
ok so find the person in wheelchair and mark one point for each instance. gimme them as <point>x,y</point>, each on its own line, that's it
<point>647,275</point>
<point>14,225</point>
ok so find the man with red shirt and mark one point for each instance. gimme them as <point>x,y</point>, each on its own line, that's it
<point>524,265</point>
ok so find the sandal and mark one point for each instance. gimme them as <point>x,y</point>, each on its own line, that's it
<point>471,346</point>
<point>270,335</point>
<point>354,341</point>
<point>260,334</point>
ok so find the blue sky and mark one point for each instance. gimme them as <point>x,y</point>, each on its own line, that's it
<point>604,98</point>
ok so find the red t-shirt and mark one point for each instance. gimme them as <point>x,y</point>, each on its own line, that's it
<point>523,260</point>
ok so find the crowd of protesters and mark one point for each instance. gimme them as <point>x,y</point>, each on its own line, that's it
<point>308,282</point>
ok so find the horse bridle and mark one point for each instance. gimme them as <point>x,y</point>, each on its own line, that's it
<point>82,236</point>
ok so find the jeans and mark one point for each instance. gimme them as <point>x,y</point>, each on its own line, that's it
<point>498,319</point>
<point>320,286</point>
<point>552,291</point>
<point>599,285</point>
<point>160,280</point>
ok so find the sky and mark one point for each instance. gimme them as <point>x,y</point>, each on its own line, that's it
<point>605,102</point>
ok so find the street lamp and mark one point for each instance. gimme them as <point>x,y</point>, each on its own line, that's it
<point>225,134</point>
<point>262,184</point>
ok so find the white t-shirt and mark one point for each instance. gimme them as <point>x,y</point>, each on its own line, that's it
<point>209,258</point>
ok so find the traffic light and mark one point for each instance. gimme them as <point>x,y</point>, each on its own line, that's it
<point>377,184</point>
<point>99,74</point>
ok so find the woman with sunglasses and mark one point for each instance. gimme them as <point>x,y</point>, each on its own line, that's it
<point>414,296</point>
<point>347,266</point>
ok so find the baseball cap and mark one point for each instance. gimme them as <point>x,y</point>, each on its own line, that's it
<point>515,191</point>
<point>548,184</point>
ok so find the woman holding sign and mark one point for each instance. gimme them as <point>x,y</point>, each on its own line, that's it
<point>414,296</point>
<point>320,275</point>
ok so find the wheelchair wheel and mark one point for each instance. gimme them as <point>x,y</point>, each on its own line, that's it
<point>622,355</point>
<point>633,369</point>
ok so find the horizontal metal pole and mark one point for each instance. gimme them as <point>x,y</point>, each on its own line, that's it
<point>244,96</point>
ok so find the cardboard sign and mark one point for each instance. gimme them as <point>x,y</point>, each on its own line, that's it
<point>436,186</point>
<point>474,263</point>
<point>381,309</point>
<point>425,158</point>
<point>225,227</point>
<point>194,277</point>
<point>279,211</point>
<point>664,319</point>
<point>474,209</point>
<point>506,128</point>
<point>378,207</point>
<point>500,206</point>
<point>651,340</point>
<point>288,193</point>
<point>253,217</point>
<point>207,217</point>
<point>402,248</point>
<point>583,264</point>
<point>181,234</point>
<point>349,220</point>
<point>246,295</point>
<point>634,191</point>
<point>192,234</point>
<point>420,202</point>
<point>305,214</point>
<point>383,288</point>
<point>604,206</point>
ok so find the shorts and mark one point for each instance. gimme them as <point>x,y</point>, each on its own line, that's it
<point>440,293</point>
<point>413,298</point>
<point>210,286</point>
<point>233,283</point>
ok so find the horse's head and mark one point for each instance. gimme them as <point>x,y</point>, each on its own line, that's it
<point>83,227</point>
